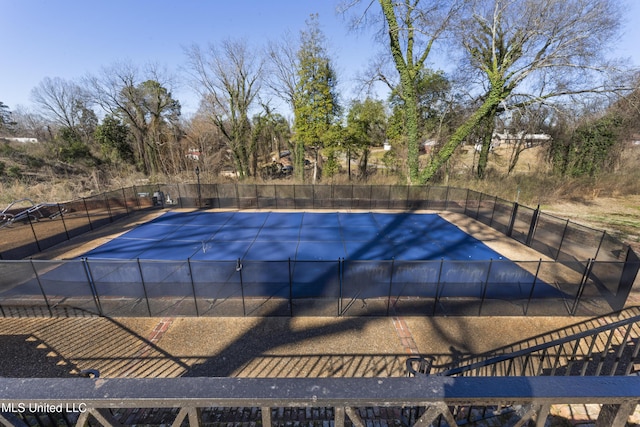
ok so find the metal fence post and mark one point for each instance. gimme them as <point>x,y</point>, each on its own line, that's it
<point>135,193</point>
<point>340,276</point>
<point>179,195</point>
<point>533,286</point>
<point>35,236</point>
<point>512,221</point>
<point>446,198</point>
<point>86,209</point>
<point>564,233</point>
<point>64,224</point>
<point>393,260</point>
<point>478,207</point>
<point>532,226</point>
<point>437,296</point>
<point>92,285</point>
<point>493,211</point>
<point>604,233</point>
<point>106,200</point>
<point>583,284</point>
<point>44,295</point>
<point>486,285</point>
<point>239,270</point>
<point>290,290</point>
<point>124,200</point>
<point>144,287</point>
<point>193,287</point>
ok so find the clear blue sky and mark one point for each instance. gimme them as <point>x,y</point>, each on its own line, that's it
<point>70,38</point>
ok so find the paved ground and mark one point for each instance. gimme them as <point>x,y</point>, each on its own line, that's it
<point>251,347</point>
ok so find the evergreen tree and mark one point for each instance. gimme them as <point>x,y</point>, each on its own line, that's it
<point>316,100</point>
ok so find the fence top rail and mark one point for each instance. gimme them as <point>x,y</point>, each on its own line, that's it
<point>315,392</point>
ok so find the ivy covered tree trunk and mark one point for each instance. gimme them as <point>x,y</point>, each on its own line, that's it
<point>487,134</point>
<point>491,103</point>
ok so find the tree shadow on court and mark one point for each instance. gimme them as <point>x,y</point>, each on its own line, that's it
<point>65,346</point>
<point>271,333</point>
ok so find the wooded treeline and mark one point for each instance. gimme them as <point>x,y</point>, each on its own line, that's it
<point>527,73</point>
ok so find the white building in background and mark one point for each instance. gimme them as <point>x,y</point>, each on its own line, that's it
<point>529,139</point>
<point>22,140</point>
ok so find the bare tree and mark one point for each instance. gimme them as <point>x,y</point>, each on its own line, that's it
<point>60,101</point>
<point>144,102</point>
<point>283,67</point>
<point>228,77</point>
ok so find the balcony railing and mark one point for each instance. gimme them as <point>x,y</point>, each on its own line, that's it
<point>435,400</point>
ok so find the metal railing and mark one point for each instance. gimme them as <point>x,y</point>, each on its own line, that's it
<point>420,401</point>
<point>607,350</point>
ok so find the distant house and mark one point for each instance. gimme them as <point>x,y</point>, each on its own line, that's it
<point>22,140</point>
<point>529,139</point>
<point>193,154</point>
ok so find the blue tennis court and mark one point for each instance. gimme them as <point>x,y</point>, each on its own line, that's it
<point>299,236</point>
